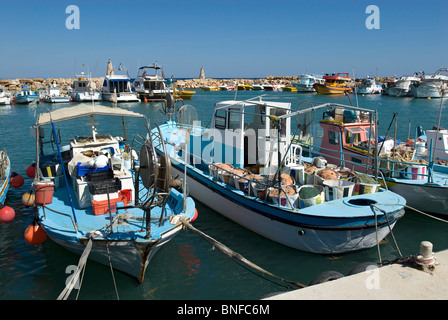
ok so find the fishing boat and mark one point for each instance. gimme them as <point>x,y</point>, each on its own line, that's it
<point>5,175</point>
<point>226,87</point>
<point>101,194</point>
<point>289,89</point>
<point>416,168</point>
<point>210,88</point>
<point>5,97</point>
<point>117,87</point>
<point>402,87</point>
<point>432,86</point>
<point>150,83</point>
<point>83,91</point>
<point>240,162</point>
<point>306,83</point>
<point>26,95</point>
<point>53,95</point>
<point>369,86</point>
<point>183,94</point>
<point>334,84</point>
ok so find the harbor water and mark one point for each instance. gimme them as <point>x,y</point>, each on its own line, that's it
<point>188,267</point>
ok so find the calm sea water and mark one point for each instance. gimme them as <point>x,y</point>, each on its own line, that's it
<point>189,268</point>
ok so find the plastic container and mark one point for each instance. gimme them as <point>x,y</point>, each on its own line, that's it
<point>349,116</point>
<point>365,188</point>
<point>307,202</point>
<point>82,171</point>
<point>415,172</point>
<point>43,191</point>
<point>286,200</point>
<point>338,188</point>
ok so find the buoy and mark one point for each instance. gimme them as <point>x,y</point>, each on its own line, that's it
<point>195,215</point>
<point>146,100</point>
<point>35,234</point>
<point>7,214</point>
<point>28,199</point>
<point>31,170</point>
<point>16,180</point>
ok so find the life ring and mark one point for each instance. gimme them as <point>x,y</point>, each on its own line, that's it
<point>326,276</point>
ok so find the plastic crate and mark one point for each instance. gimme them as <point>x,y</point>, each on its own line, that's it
<point>105,186</point>
<point>102,207</point>
<point>82,171</point>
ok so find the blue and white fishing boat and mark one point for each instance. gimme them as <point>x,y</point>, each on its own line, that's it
<point>234,165</point>
<point>53,95</point>
<point>93,194</point>
<point>369,86</point>
<point>26,95</point>
<point>5,175</point>
<point>306,83</point>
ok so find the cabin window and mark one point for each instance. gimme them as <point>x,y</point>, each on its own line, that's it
<point>234,118</point>
<point>333,137</point>
<point>220,119</point>
<point>279,112</point>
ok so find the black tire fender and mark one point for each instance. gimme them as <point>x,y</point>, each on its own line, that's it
<point>326,276</point>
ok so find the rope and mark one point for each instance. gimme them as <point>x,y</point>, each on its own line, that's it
<point>81,267</point>
<point>234,255</point>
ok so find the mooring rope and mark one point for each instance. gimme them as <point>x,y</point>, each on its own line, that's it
<point>234,255</point>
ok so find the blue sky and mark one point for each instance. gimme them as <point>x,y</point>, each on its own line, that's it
<point>250,38</point>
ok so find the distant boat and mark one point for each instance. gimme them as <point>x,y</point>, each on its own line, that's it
<point>53,95</point>
<point>334,84</point>
<point>5,97</point>
<point>184,94</point>
<point>226,87</point>
<point>210,88</point>
<point>369,86</point>
<point>306,83</point>
<point>258,87</point>
<point>150,83</point>
<point>289,89</point>
<point>402,87</point>
<point>26,95</point>
<point>244,87</point>
<point>117,87</point>
<point>432,86</point>
<point>82,91</point>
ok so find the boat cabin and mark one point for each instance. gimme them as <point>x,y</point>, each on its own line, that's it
<point>340,79</point>
<point>81,84</point>
<point>117,84</point>
<point>247,134</point>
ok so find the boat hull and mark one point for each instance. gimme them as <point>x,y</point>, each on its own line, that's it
<point>25,100</point>
<point>324,89</point>
<point>6,181</point>
<point>120,97</point>
<point>424,91</point>
<point>128,256</point>
<point>86,96</point>
<point>300,236</point>
<point>399,92</point>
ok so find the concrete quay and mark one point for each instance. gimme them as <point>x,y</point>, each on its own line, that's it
<point>407,281</point>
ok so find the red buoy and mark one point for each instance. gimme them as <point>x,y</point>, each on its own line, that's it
<point>195,215</point>
<point>16,180</point>
<point>7,214</point>
<point>35,234</point>
<point>31,170</point>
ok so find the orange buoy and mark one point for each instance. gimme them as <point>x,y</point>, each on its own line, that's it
<point>7,214</point>
<point>35,234</point>
<point>31,170</point>
<point>16,180</point>
<point>28,199</point>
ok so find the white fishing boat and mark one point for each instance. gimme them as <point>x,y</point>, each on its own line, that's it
<point>5,97</point>
<point>432,86</point>
<point>53,95</point>
<point>244,166</point>
<point>402,87</point>
<point>150,83</point>
<point>306,83</point>
<point>369,86</point>
<point>117,87</point>
<point>101,198</point>
<point>82,90</point>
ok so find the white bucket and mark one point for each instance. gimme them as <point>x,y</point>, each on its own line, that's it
<point>338,188</point>
<point>320,198</point>
<point>415,172</point>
